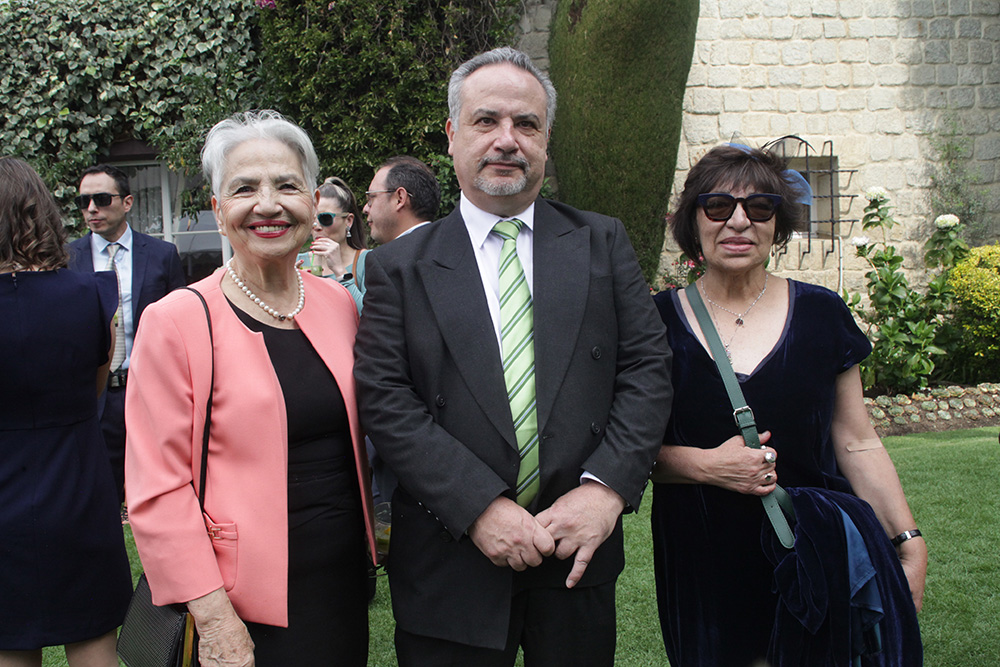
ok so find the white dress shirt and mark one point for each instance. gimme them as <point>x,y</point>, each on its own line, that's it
<point>487,246</point>
<point>99,253</point>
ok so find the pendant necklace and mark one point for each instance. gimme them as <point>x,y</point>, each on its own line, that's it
<point>739,316</point>
<point>256,299</point>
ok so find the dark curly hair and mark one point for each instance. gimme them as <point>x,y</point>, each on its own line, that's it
<point>727,167</point>
<point>32,235</point>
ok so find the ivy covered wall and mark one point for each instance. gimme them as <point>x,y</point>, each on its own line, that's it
<point>78,76</point>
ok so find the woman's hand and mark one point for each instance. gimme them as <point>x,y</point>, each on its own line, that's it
<point>223,640</point>
<point>328,251</point>
<point>732,465</point>
<point>913,558</point>
<point>743,469</point>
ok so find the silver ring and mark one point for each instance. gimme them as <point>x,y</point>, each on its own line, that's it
<point>770,457</point>
<point>768,477</point>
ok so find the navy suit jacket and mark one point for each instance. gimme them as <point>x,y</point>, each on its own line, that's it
<point>156,268</point>
<point>431,395</point>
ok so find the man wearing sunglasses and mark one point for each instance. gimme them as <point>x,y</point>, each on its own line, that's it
<point>147,269</point>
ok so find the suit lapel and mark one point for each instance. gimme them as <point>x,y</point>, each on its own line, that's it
<point>561,283</point>
<point>140,260</point>
<point>450,274</point>
<point>82,258</point>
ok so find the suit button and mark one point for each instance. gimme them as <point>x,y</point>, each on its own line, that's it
<point>445,536</point>
<point>595,428</point>
<point>439,401</point>
<point>596,353</point>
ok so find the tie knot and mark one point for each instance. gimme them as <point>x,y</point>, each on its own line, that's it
<point>508,229</point>
<point>113,249</point>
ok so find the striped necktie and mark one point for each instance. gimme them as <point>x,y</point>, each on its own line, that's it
<point>518,351</point>
<point>118,356</point>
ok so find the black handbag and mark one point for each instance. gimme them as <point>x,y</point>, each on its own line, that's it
<point>155,636</point>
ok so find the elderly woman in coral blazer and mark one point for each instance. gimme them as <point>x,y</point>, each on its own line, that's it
<point>275,572</point>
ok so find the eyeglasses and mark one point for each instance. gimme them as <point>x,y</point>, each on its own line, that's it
<point>719,206</point>
<point>100,198</point>
<point>326,219</point>
<point>369,197</point>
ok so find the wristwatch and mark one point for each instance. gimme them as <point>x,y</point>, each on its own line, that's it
<point>904,536</point>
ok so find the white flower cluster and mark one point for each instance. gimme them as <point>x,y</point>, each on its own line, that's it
<point>876,192</point>
<point>860,241</point>
<point>946,221</point>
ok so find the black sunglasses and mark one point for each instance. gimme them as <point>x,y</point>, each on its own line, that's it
<point>326,219</point>
<point>100,198</point>
<point>719,206</point>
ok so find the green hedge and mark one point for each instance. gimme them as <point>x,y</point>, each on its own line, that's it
<point>79,75</point>
<point>976,284</point>
<point>368,80</point>
<point>621,67</point>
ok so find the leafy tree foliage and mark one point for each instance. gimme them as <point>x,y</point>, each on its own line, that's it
<point>80,75</point>
<point>368,80</point>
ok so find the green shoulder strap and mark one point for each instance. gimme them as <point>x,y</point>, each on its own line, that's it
<point>778,499</point>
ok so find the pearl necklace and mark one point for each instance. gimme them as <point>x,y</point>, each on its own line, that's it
<point>256,299</point>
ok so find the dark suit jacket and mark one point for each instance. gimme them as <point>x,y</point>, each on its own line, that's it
<point>156,268</point>
<point>432,397</point>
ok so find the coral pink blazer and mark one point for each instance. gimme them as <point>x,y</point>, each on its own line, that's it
<point>246,491</point>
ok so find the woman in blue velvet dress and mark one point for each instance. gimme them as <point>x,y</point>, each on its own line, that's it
<point>64,574</point>
<point>795,349</point>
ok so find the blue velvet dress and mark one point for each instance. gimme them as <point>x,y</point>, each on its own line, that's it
<point>714,582</point>
<point>64,574</point>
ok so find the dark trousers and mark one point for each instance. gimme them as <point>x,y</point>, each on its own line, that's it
<point>111,407</point>
<point>553,626</point>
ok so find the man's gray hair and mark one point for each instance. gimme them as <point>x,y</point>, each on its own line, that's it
<point>266,124</point>
<point>504,54</point>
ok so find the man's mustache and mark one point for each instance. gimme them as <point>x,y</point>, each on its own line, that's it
<point>512,160</point>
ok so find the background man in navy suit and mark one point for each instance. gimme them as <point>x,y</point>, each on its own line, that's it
<point>147,269</point>
<point>473,573</point>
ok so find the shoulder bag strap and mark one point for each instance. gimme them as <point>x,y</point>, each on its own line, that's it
<point>777,499</point>
<point>208,406</point>
<point>354,265</point>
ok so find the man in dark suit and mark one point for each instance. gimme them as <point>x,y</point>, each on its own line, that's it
<point>147,269</point>
<point>507,530</point>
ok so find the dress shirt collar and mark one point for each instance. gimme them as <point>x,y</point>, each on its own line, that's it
<point>100,244</point>
<point>480,223</point>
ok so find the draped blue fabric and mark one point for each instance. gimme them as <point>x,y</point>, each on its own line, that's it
<point>820,617</point>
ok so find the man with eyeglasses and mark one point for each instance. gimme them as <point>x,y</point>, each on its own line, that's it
<point>403,195</point>
<point>147,269</point>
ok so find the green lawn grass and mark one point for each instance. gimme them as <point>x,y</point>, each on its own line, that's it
<point>952,480</point>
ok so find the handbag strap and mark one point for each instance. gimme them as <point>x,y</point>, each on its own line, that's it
<point>778,499</point>
<point>208,406</point>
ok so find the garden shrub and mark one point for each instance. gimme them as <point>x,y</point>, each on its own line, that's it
<point>911,331</point>
<point>975,282</point>
<point>368,80</point>
<point>79,75</point>
<point>621,67</point>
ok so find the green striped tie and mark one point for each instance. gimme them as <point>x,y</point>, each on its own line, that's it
<point>518,351</point>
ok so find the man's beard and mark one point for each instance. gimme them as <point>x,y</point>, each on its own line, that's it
<point>505,188</point>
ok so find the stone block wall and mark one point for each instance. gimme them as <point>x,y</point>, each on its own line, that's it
<point>878,78</point>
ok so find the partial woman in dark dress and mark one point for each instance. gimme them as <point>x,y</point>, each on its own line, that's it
<point>275,572</point>
<point>64,573</point>
<point>795,349</point>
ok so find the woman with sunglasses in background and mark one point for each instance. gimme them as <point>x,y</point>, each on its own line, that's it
<point>795,349</point>
<point>339,236</point>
